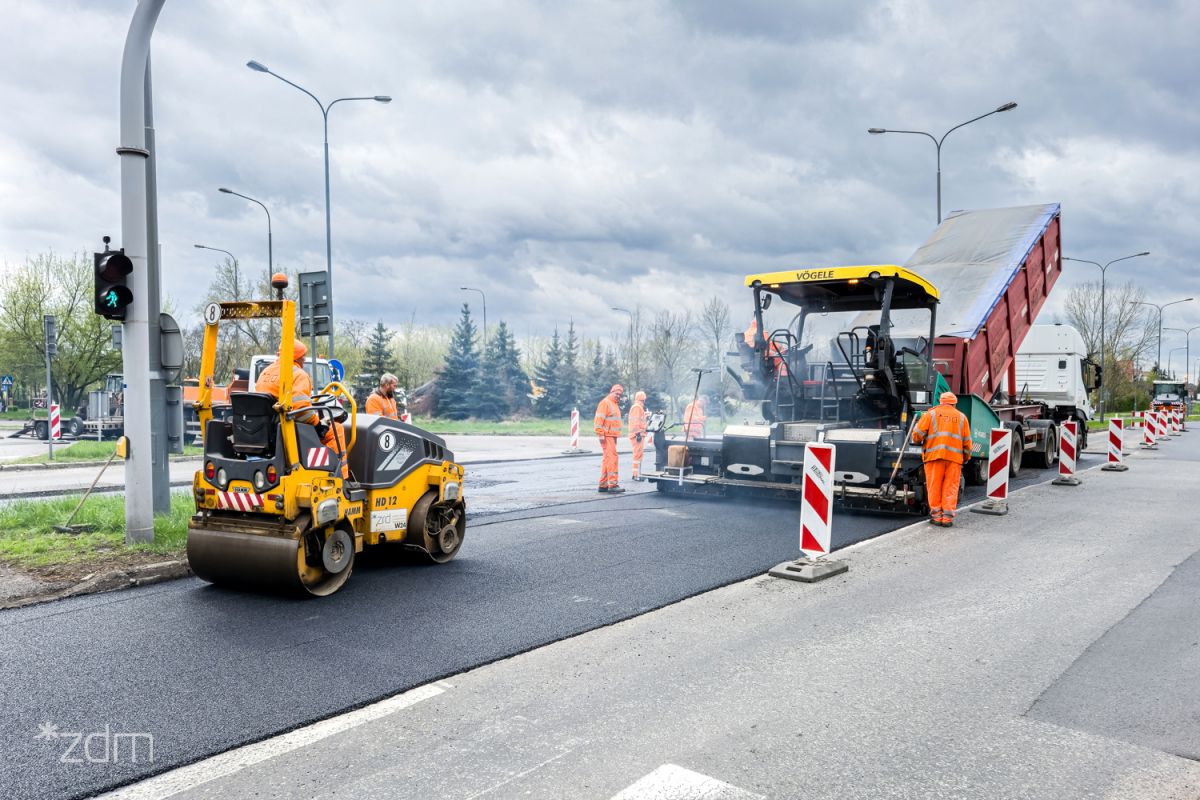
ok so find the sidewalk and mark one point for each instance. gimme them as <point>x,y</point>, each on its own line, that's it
<point>1050,653</point>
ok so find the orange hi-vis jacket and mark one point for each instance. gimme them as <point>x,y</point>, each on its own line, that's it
<point>637,419</point>
<point>608,417</point>
<point>383,406</point>
<point>945,435</point>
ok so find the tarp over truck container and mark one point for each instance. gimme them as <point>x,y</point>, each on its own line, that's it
<point>994,269</point>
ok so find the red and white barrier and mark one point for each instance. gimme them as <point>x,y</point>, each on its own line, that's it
<point>1116,446</point>
<point>1176,422</point>
<point>574,448</point>
<point>55,422</point>
<point>816,509</point>
<point>999,453</point>
<point>406,418</point>
<point>1068,452</point>
<point>1161,424</point>
<point>1149,431</point>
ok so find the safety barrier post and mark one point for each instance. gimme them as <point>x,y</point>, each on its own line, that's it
<point>1068,451</point>
<point>1116,446</point>
<point>1149,431</point>
<point>1176,422</point>
<point>999,453</point>
<point>574,448</point>
<point>816,518</point>
<point>1161,424</point>
<point>55,422</point>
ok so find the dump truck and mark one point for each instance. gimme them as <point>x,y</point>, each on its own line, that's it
<point>273,509</point>
<point>857,353</point>
<point>1055,370</point>
<point>1170,396</point>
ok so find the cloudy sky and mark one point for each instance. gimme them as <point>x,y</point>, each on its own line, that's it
<point>571,156</point>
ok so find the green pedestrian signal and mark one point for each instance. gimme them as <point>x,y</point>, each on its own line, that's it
<point>113,295</point>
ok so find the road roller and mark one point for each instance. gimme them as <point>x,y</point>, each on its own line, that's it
<point>273,510</point>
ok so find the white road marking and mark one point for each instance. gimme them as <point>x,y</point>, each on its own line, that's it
<point>670,782</point>
<point>521,774</point>
<point>224,764</point>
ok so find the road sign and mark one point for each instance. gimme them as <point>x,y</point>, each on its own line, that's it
<point>6,382</point>
<point>338,369</point>
<point>314,303</point>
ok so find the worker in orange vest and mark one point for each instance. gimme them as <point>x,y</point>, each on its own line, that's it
<point>637,432</point>
<point>776,353</point>
<point>945,438</point>
<point>694,419</point>
<point>269,383</point>
<point>608,428</point>
<point>382,401</point>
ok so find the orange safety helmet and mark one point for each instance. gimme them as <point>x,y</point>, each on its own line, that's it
<point>948,398</point>
<point>640,397</point>
<point>617,389</point>
<point>299,350</point>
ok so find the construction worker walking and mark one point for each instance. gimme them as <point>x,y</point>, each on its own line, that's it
<point>382,401</point>
<point>608,428</point>
<point>694,419</point>
<point>945,438</point>
<point>637,432</point>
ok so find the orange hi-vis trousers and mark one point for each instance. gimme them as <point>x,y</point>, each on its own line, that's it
<point>639,450</point>
<point>608,462</point>
<point>942,479</point>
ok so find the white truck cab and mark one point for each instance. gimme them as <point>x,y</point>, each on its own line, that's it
<point>322,379</point>
<point>1053,368</point>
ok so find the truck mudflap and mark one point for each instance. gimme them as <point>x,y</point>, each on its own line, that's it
<point>888,498</point>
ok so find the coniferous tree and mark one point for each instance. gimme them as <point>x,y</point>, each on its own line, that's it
<point>456,384</point>
<point>547,376</point>
<point>570,379</point>
<point>510,380</point>
<point>378,359</point>
<point>593,377</point>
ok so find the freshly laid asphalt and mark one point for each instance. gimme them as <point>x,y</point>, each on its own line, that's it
<point>204,669</point>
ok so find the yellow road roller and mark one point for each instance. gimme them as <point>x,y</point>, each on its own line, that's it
<point>273,511</point>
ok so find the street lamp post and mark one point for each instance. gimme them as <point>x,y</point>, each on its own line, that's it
<point>1187,358</point>
<point>325,109</point>
<point>1170,356</point>
<point>1103,311</point>
<point>484,296</point>
<point>1158,362</point>
<point>270,256</point>
<point>232,258</point>
<point>633,353</point>
<point>938,144</point>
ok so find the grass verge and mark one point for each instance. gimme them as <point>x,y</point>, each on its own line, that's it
<point>28,539</point>
<point>87,450</point>
<point>515,427</point>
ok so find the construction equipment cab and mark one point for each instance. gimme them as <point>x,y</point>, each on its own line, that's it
<point>272,508</point>
<point>822,358</point>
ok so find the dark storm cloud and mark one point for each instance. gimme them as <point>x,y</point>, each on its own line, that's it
<point>574,156</point>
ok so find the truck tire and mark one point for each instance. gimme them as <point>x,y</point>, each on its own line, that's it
<point>75,427</point>
<point>975,472</point>
<point>1018,452</point>
<point>1083,436</point>
<point>41,429</point>
<point>1048,457</point>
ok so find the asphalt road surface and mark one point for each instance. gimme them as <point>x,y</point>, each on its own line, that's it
<point>204,669</point>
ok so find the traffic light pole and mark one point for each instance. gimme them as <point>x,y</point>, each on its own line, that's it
<point>160,456</point>
<point>139,467</point>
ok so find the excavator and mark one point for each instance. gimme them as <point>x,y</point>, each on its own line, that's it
<point>273,510</point>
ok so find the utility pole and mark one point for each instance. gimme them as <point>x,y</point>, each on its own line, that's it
<point>135,177</point>
<point>50,348</point>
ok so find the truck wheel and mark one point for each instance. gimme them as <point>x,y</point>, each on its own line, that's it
<point>1049,456</point>
<point>974,472</point>
<point>1083,434</point>
<point>41,429</point>
<point>1014,458</point>
<point>75,426</point>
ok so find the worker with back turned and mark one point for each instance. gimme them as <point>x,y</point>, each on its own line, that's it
<point>382,401</point>
<point>637,432</point>
<point>608,428</point>
<point>945,438</point>
<point>269,382</point>
<point>694,419</point>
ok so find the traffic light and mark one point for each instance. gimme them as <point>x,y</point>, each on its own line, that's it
<point>112,268</point>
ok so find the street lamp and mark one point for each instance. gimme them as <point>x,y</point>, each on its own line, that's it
<point>232,258</point>
<point>1171,355</point>
<point>1103,311</point>
<point>1160,308</point>
<point>484,296</point>
<point>633,351</point>
<point>270,257</point>
<point>379,98</point>
<point>1187,359</point>
<point>1009,106</point>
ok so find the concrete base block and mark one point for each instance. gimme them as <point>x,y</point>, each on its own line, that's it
<point>1115,468</point>
<point>575,451</point>
<point>996,507</point>
<point>1145,446</point>
<point>808,570</point>
<point>1066,480</point>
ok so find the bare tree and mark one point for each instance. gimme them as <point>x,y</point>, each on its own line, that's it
<point>715,329</point>
<point>672,351</point>
<point>1129,335</point>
